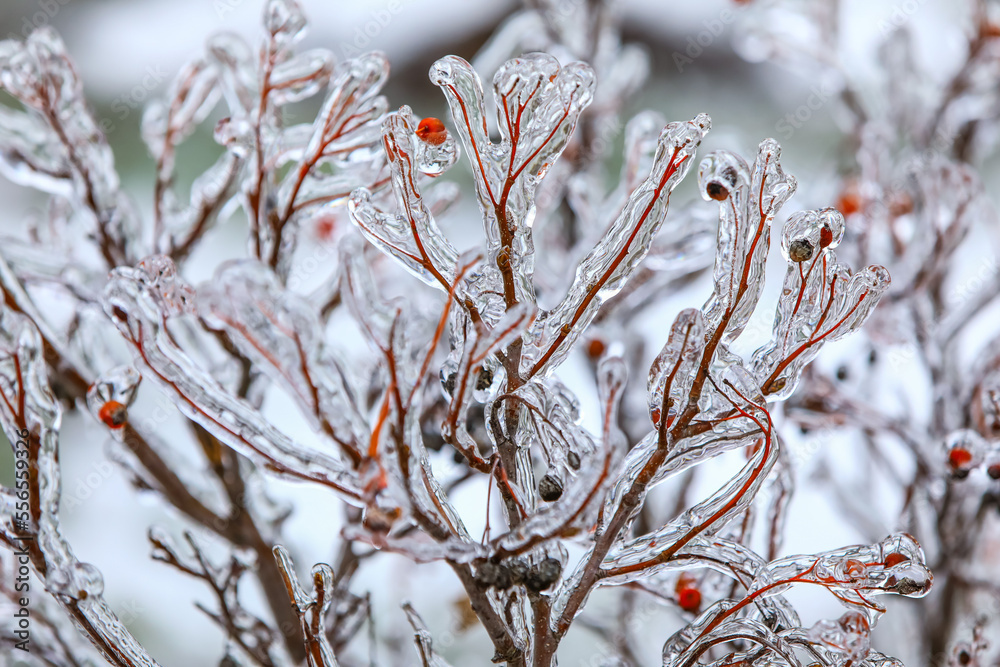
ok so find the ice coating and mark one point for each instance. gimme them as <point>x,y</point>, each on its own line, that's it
<point>617,256</point>
<point>311,609</point>
<point>281,332</point>
<point>140,301</point>
<point>30,408</point>
<point>422,639</point>
<point>749,199</point>
<point>538,104</point>
<point>673,371</point>
<point>411,236</point>
<point>820,301</point>
<point>56,145</point>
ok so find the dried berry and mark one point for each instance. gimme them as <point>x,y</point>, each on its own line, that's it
<point>485,379</point>
<point>543,575</point>
<point>573,459</point>
<point>494,575</point>
<point>550,488</point>
<point>518,570</point>
<point>800,250</point>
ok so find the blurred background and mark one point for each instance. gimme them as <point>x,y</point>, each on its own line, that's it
<point>127,51</point>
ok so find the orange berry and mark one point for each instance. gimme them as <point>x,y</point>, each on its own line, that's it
<point>689,599</point>
<point>432,131</point>
<point>849,202</point>
<point>596,348</point>
<point>113,414</point>
<point>894,559</point>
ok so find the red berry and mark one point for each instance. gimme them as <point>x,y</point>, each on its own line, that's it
<point>959,458</point>
<point>894,559</point>
<point>689,599</point>
<point>432,131</point>
<point>825,237</point>
<point>113,414</point>
<point>994,471</point>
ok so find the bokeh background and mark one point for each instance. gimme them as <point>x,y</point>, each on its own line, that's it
<point>127,51</point>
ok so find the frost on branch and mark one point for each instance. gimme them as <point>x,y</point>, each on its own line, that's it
<point>142,301</point>
<point>537,104</point>
<point>55,144</point>
<point>30,414</point>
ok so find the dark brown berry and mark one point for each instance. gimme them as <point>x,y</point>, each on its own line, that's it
<point>550,488</point>
<point>800,250</point>
<point>494,575</point>
<point>543,575</point>
<point>484,380</point>
<point>717,191</point>
<point>573,459</point>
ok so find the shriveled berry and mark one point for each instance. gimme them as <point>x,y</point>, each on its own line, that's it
<point>573,459</point>
<point>550,488</point>
<point>432,131</point>
<point>449,383</point>
<point>494,575</point>
<point>993,471</point>
<point>543,575</point>
<point>113,414</point>
<point>485,379</point>
<point>800,250</point>
<point>518,571</point>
